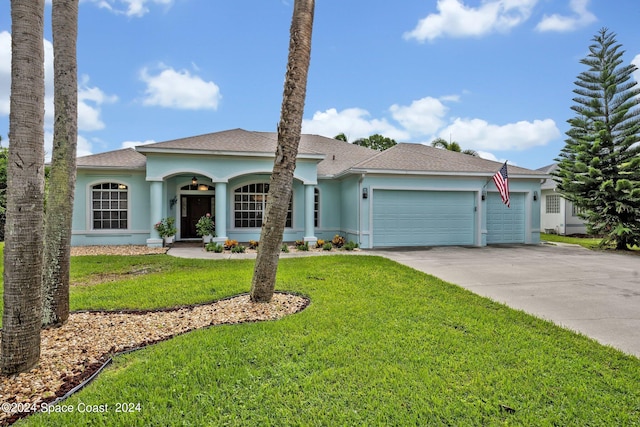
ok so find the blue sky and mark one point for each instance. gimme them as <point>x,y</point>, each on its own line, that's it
<point>494,75</point>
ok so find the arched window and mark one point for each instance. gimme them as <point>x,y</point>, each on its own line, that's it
<point>250,201</point>
<point>198,187</point>
<point>109,206</point>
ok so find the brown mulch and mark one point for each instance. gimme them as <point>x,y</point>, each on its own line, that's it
<point>74,352</point>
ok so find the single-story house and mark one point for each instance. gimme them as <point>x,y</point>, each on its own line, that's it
<point>408,195</point>
<point>557,214</point>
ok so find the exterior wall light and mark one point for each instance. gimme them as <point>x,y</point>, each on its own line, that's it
<point>483,196</point>
<point>365,193</point>
<point>535,196</point>
<point>194,181</point>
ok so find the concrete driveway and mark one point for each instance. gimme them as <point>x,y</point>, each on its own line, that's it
<point>595,293</point>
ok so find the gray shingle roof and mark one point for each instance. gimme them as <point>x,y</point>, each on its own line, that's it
<point>550,183</point>
<point>230,141</point>
<point>127,158</point>
<point>339,157</point>
<point>422,158</point>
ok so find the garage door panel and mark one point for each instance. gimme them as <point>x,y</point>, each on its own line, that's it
<point>505,225</point>
<point>422,218</point>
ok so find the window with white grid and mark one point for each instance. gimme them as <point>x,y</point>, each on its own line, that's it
<point>109,206</point>
<point>249,203</point>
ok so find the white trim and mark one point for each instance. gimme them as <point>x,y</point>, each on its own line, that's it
<point>176,172</point>
<point>178,210</point>
<point>225,153</point>
<point>459,174</point>
<point>232,209</point>
<point>89,208</point>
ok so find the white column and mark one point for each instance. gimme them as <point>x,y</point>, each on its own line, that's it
<point>155,206</point>
<point>309,232</point>
<point>221,212</point>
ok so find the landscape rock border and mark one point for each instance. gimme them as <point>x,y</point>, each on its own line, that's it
<point>74,354</point>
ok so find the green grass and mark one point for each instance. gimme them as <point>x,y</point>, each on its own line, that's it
<point>380,344</point>
<point>587,242</point>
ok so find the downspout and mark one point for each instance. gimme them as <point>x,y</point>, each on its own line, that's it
<point>360,209</point>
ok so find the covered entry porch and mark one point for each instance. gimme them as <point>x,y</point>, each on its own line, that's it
<point>237,207</point>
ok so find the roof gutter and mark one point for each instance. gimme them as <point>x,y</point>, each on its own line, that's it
<point>436,173</point>
<point>148,150</point>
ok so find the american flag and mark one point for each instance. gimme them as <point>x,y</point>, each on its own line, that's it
<point>502,184</point>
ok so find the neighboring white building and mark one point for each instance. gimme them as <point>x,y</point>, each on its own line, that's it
<point>557,214</point>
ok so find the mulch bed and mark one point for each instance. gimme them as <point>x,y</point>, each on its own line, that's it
<point>72,353</point>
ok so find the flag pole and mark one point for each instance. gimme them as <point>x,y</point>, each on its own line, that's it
<point>501,179</point>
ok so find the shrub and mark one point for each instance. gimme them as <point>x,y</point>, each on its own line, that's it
<point>205,226</point>
<point>230,244</point>
<point>327,246</point>
<point>166,227</point>
<point>237,249</point>
<point>285,248</point>
<point>299,243</point>
<point>338,241</point>
<point>253,244</point>
<point>351,245</point>
<point>302,246</point>
<point>320,243</point>
<point>214,247</point>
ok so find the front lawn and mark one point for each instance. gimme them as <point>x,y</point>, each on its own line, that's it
<point>587,242</point>
<point>380,344</point>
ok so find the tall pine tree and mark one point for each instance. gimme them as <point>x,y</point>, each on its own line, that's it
<point>599,167</point>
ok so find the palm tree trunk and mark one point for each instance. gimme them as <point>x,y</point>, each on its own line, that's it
<point>25,191</point>
<point>289,129</point>
<point>62,177</point>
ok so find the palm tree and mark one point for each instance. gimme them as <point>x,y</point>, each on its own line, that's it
<point>57,238</point>
<point>452,146</point>
<point>289,130</point>
<point>22,316</point>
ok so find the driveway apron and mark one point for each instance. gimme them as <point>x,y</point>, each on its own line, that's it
<point>594,293</point>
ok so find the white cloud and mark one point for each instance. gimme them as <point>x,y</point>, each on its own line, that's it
<point>636,62</point>
<point>424,116</point>
<point>89,101</point>
<point>89,98</point>
<point>5,72</point>
<point>136,8</point>
<point>478,134</point>
<point>84,147</point>
<point>456,19</point>
<point>179,89</point>
<point>131,144</point>
<point>426,119</point>
<point>580,18</point>
<point>353,122</point>
<point>5,76</point>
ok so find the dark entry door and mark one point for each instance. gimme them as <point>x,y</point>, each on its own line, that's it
<point>193,208</point>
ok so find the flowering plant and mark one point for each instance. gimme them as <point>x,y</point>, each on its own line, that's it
<point>205,226</point>
<point>166,227</point>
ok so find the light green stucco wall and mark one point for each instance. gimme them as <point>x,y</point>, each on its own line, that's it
<point>342,208</point>
<point>139,227</point>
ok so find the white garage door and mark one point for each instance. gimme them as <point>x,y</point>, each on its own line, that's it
<point>423,218</point>
<point>505,225</point>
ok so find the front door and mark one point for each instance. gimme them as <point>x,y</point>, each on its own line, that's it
<point>193,208</point>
